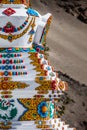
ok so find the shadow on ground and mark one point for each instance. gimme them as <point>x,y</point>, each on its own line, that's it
<point>76,107</point>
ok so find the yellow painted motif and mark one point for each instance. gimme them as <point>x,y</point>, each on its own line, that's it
<point>10,85</point>
<point>5,79</point>
<point>6,127</point>
<point>32,113</point>
<point>15,2</point>
<point>45,85</point>
<point>46,30</point>
<point>43,126</point>
<point>37,65</point>
<point>32,26</point>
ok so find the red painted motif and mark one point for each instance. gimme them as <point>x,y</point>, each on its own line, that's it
<point>9,11</point>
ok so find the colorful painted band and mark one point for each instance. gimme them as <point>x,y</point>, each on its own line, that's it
<point>9,28</point>
<point>11,37</point>
<point>10,55</point>
<point>6,73</point>
<point>10,61</point>
<point>6,67</point>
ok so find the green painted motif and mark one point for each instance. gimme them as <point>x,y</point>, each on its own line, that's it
<point>8,111</point>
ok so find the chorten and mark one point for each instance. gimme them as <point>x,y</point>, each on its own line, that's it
<point>30,90</point>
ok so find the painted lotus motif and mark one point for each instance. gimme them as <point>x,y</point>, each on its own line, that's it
<point>43,109</point>
<point>46,109</point>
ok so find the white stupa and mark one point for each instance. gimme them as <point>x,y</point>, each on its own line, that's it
<point>30,90</point>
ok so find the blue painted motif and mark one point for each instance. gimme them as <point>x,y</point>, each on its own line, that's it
<point>40,112</point>
<point>32,12</point>
<point>14,50</point>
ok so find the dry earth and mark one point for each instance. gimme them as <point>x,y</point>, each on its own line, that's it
<point>67,40</point>
<point>77,8</point>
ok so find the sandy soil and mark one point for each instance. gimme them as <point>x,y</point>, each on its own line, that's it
<point>67,40</point>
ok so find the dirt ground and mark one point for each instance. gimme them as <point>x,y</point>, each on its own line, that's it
<point>67,40</point>
<point>76,110</point>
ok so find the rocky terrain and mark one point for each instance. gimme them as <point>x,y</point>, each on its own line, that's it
<point>77,8</point>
